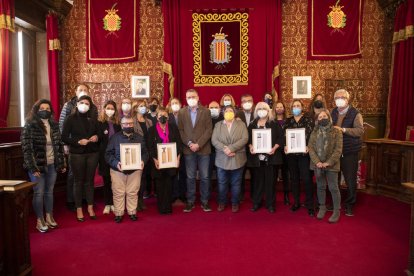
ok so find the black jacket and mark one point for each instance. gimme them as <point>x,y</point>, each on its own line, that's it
<point>103,130</point>
<point>154,139</point>
<point>76,127</point>
<point>277,138</point>
<point>33,141</point>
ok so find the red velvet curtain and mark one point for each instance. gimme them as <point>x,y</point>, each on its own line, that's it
<point>265,20</point>
<point>53,45</point>
<point>401,98</point>
<point>6,26</point>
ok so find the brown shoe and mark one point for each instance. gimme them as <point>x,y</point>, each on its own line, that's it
<point>221,207</point>
<point>235,208</point>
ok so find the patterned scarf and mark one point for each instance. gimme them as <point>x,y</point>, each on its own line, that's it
<point>322,141</point>
<point>163,135</point>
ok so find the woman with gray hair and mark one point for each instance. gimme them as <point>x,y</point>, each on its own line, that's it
<point>229,138</point>
<point>325,149</point>
<point>263,163</point>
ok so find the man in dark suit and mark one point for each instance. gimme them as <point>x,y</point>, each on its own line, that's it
<point>246,114</point>
<point>194,124</point>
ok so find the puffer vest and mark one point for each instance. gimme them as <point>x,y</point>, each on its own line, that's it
<point>350,144</point>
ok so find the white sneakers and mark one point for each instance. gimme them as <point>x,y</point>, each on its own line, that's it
<point>108,209</point>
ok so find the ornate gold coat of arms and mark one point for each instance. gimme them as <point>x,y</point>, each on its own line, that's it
<point>337,18</point>
<point>220,50</point>
<point>112,21</point>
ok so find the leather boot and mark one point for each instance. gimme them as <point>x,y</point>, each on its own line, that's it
<point>322,212</point>
<point>286,199</point>
<point>335,216</point>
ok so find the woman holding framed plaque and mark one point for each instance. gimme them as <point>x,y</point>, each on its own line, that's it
<point>265,139</point>
<point>325,149</point>
<point>165,147</point>
<point>297,132</point>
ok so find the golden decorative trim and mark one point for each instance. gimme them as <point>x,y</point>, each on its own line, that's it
<point>167,68</point>
<point>275,74</point>
<point>6,22</point>
<point>403,34</point>
<point>54,44</point>
<point>221,80</point>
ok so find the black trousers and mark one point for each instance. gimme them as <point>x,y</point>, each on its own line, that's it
<point>349,168</point>
<point>285,174</point>
<point>264,183</point>
<point>299,170</point>
<point>83,168</point>
<point>107,188</point>
<point>69,183</point>
<point>243,183</point>
<point>163,185</point>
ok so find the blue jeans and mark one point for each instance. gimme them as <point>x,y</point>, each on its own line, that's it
<point>43,191</point>
<point>226,177</point>
<point>192,161</point>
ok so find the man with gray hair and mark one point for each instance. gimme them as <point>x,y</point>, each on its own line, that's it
<point>349,121</point>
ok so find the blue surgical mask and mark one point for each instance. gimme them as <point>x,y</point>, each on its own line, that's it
<point>296,111</point>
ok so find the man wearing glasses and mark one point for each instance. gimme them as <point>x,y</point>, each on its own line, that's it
<point>348,120</point>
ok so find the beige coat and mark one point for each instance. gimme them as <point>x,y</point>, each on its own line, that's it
<point>235,140</point>
<point>199,134</point>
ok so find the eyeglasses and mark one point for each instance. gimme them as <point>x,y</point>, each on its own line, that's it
<point>340,97</point>
<point>127,124</point>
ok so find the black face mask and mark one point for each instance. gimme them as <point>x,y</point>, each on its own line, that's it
<point>323,122</point>
<point>128,130</point>
<point>318,104</point>
<point>44,114</point>
<point>153,107</point>
<point>162,119</point>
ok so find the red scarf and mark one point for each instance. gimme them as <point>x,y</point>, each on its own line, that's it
<point>163,135</point>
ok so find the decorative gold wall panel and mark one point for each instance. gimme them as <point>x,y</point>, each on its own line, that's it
<point>366,78</point>
<point>369,76</point>
<point>112,81</point>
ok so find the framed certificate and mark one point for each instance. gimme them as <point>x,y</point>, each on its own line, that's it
<point>296,140</point>
<point>262,140</point>
<point>130,156</point>
<point>167,155</point>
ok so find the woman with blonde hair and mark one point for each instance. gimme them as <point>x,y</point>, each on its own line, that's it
<point>227,100</point>
<point>108,125</point>
<point>263,163</point>
<point>141,126</point>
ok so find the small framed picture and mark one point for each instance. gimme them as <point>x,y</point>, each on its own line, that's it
<point>130,156</point>
<point>167,155</point>
<point>302,87</point>
<point>140,86</point>
<point>296,140</point>
<point>262,140</point>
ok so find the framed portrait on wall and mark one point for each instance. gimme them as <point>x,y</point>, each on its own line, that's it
<point>167,155</point>
<point>140,86</point>
<point>302,87</point>
<point>296,140</point>
<point>130,156</point>
<point>262,140</point>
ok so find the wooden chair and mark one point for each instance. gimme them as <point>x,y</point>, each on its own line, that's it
<point>409,136</point>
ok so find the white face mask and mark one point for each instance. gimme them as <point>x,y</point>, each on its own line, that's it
<point>82,93</point>
<point>109,112</point>
<point>192,102</point>
<point>262,113</point>
<point>83,108</point>
<point>247,105</point>
<point>142,110</point>
<point>215,112</point>
<point>340,103</point>
<point>175,107</point>
<point>226,102</point>
<point>126,107</point>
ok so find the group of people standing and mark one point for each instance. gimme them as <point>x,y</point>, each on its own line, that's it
<point>215,138</point>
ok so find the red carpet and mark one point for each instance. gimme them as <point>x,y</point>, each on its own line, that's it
<point>374,242</point>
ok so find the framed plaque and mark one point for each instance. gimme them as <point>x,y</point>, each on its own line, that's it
<point>296,140</point>
<point>130,156</point>
<point>262,140</point>
<point>167,155</point>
